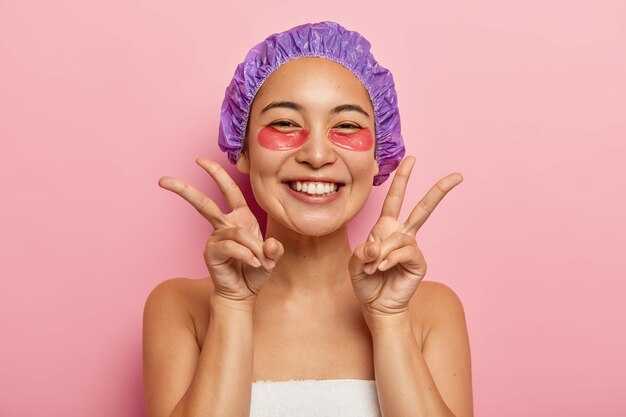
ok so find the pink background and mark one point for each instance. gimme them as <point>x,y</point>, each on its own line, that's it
<point>527,99</point>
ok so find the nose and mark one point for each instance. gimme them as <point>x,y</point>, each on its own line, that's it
<point>317,151</point>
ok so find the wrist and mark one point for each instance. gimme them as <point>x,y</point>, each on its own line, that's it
<point>379,322</point>
<point>220,304</point>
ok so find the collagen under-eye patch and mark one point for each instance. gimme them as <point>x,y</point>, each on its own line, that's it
<point>361,140</point>
<point>271,138</point>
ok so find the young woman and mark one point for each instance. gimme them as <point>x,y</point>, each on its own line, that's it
<point>296,322</point>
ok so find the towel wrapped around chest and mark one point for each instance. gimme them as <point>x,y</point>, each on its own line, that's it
<point>315,398</point>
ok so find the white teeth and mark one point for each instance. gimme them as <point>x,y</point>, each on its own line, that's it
<point>314,188</point>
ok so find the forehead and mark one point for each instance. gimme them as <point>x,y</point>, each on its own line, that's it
<point>314,79</point>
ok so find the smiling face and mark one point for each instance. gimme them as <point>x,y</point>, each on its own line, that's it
<point>310,146</point>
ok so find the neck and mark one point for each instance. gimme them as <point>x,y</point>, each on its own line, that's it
<point>310,263</point>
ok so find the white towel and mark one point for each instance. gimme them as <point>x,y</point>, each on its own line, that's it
<point>315,398</point>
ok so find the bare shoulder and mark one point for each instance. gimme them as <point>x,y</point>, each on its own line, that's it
<point>180,299</point>
<point>436,295</point>
<point>435,304</point>
<point>181,289</point>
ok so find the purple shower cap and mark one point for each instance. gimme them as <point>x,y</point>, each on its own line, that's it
<point>326,40</point>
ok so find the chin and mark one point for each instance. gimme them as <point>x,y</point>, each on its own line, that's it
<point>309,228</point>
<point>311,225</point>
<point>315,233</point>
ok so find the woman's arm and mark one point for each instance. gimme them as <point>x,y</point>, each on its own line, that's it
<point>433,380</point>
<point>182,380</point>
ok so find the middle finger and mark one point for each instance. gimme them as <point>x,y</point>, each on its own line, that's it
<point>393,202</point>
<point>231,192</point>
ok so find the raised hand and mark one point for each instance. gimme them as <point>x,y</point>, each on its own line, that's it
<point>238,259</point>
<point>387,269</point>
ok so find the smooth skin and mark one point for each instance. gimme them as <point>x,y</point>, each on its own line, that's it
<point>299,302</point>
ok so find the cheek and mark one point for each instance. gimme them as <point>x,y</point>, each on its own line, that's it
<point>279,141</point>
<point>357,141</point>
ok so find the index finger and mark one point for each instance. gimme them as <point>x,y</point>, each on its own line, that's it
<point>228,187</point>
<point>433,197</point>
<point>395,195</point>
<point>202,203</point>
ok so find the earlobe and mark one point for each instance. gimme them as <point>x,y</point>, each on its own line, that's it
<point>243,165</point>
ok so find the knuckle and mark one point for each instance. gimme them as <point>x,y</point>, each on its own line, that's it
<point>238,232</point>
<point>399,235</point>
<point>209,249</point>
<point>396,194</point>
<point>228,245</point>
<point>184,189</point>
<point>229,184</point>
<point>409,239</point>
<point>217,235</point>
<point>204,205</point>
<point>441,185</point>
<point>424,205</point>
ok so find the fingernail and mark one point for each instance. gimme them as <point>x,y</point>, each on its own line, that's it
<point>256,262</point>
<point>271,263</point>
<point>382,265</point>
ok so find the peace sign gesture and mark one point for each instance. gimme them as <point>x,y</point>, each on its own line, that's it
<point>238,259</point>
<point>387,269</point>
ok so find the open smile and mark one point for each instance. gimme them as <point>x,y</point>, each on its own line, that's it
<point>314,191</point>
<point>314,187</point>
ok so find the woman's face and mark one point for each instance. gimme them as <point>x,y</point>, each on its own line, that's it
<point>310,146</point>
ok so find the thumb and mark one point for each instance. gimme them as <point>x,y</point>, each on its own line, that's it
<point>256,277</point>
<point>363,254</point>
<point>273,251</point>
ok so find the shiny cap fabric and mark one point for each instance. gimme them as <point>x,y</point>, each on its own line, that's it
<point>326,40</point>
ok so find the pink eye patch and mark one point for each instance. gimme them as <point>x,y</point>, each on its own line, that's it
<point>271,138</point>
<point>360,140</point>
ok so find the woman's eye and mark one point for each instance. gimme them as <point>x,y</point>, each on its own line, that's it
<point>348,126</point>
<point>283,123</point>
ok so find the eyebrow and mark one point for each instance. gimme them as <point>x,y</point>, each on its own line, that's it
<point>298,107</point>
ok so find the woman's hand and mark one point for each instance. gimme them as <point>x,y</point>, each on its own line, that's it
<point>387,269</point>
<point>238,259</point>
